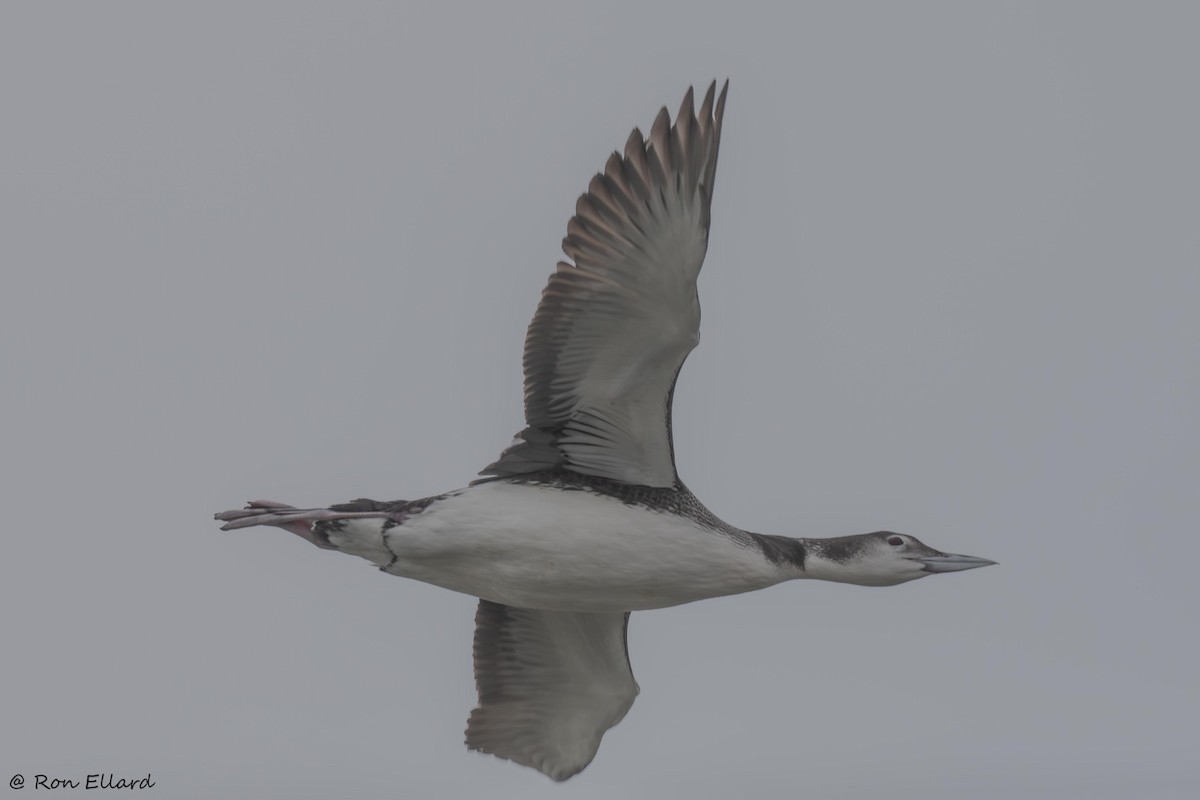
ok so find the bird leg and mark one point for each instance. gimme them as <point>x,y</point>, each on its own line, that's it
<point>294,520</point>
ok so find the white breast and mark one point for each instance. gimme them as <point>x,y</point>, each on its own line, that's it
<point>567,550</point>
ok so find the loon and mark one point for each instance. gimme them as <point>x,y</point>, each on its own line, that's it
<point>583,518</point>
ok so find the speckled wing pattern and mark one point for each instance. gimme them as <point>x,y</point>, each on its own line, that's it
<point>550,683</point>
<point>613,328</point>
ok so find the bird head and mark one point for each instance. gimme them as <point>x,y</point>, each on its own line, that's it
<point>882,558</point>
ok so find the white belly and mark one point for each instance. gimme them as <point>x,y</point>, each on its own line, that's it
<point>537,547</point>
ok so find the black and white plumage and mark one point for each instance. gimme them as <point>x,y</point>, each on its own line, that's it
<point>583,519</point>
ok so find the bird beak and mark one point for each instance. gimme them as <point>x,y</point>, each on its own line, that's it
<point>950,562</point>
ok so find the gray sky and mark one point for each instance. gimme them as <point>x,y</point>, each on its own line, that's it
<point>289,251</point>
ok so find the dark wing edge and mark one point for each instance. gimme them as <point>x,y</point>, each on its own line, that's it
<point>550,684</point>
<point>599,404</point>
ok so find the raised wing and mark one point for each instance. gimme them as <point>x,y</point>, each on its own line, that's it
<point>550,684</point>
<point>614,327</point>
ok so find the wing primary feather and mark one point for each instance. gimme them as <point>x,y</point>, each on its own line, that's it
<point>601,199</point>
<point>637,176</point>
<point>659,149</point>
<point>710,173</point>
<point>706,107</point>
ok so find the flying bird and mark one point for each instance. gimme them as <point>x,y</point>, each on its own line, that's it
<point>583,518</point>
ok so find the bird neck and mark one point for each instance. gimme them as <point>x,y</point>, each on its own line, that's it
<point>832,559</point>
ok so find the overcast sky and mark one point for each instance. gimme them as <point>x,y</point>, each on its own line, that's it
<point>289,251</point>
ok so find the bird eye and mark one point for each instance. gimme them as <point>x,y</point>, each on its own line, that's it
<point>895,541</point>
